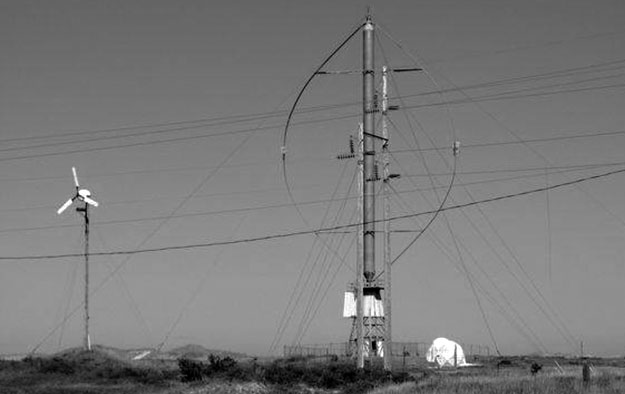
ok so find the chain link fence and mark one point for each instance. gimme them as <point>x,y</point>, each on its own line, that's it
<point>398,349</point>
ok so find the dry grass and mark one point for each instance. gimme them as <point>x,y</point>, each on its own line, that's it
<point>76,372</point>
<point>403,388</point>
<point>605,380</point>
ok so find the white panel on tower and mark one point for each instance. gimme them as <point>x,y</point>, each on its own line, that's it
<point>373,307</point>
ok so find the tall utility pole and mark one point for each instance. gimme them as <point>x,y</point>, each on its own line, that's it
<point>386,213</point>
<point>369,329</point>
<point>373,340</point>
<point>368,121</point>
<point>85,213</point>
<point>360,355</point>
<point>371,322</point>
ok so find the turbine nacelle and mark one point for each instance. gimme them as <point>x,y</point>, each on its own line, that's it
<point>84,193</point>
<point>81,194</point>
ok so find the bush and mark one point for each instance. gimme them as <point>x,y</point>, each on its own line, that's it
<point>11,365</point>
<point>289,374</point>
<point>330,376</point>
<point>217,367</point>
<point>218,364</point>
<point>190,370</point>
<point>51,365</point>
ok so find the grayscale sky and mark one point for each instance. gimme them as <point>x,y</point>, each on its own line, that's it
<point>168,110</point>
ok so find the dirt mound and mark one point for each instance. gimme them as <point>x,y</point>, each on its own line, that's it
<point>90,359</point>
<point>199,351</point>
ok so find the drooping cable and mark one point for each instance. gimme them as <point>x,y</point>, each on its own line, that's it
<point>286,131</point>
<point>269,237</point>
<point>443,200</point>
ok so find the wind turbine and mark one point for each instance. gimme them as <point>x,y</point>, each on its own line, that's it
<point>81,194</point>
<point>85,196</point>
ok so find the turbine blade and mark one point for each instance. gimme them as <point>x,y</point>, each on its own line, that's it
<point>90,201</point>
<point>64,206</point>
<point>75,177</point>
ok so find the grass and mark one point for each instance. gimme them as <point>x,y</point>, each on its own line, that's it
<point>77,371</point>
<point>605,380</point>
<point>96,372</point>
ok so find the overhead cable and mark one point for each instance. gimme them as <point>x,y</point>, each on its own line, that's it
<point>319,230</point>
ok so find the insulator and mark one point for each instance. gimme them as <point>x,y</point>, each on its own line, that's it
<point>351,145</point>
<point>376,173</point>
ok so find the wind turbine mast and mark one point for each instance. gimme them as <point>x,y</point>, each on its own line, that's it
<point>83,195</point>
<point>85,213</point>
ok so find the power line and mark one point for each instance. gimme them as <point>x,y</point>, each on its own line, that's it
<point>441,246</point>
<point>493,97</point>
<point>552,170</point>
<point>308,232</point>
<point>436,148</point>
<point>510,96</point>
<point>154,231</point>
<point>527,169</point>
<point>570,72</point>
<point>203,122</point>
<point>239,118</point>
<point>177,139</point>
<point>525,47</point>
<point>563,169</point>
<point>525,141</point>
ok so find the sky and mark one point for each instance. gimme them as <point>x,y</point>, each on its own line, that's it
<point>174,112</point>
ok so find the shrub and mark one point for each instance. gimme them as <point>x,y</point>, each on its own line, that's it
<point>190,370</point>
<point>218,364</point>
<point>225,367</point>
<point>54,365</point>
<point>359,387</point>
<point>11,365</point>
<point>329,376</point>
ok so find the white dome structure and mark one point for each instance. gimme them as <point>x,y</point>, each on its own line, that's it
<point>446,353</point>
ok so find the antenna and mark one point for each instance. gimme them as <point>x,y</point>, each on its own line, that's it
<point>83,195</point>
